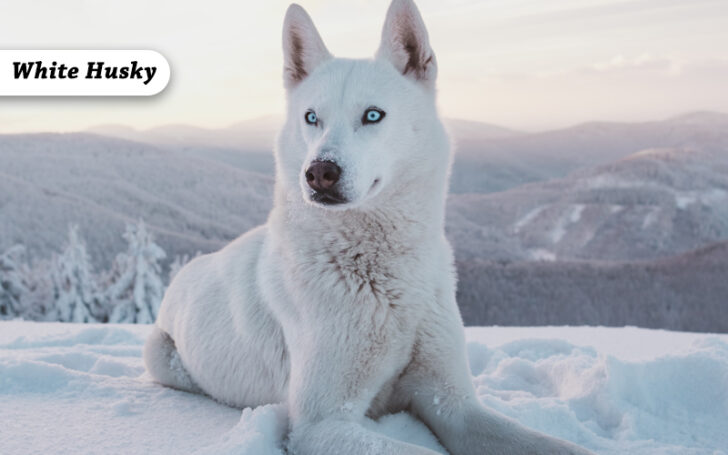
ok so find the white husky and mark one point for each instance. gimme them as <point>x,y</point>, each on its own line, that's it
<point>343,304</point>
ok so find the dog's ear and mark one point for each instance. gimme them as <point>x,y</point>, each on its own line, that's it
<point>406,45</point>
<point>303,48</point>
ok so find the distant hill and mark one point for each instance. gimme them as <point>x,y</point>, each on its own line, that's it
<point>483,166</point>
<point>654,203</point>
<point>248,145</point>
<point>602,223</point>
<point>252,135</point>
<point>49,181</point>
<point>488,158</point>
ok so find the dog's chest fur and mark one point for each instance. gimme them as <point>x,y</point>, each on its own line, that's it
<point>365,269</point>
<point>359,283</point>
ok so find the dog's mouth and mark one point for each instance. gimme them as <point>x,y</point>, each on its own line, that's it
<point>336,199</point>
<point>327,198</point>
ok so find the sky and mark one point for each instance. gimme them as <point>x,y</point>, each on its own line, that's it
<point>525,64</point>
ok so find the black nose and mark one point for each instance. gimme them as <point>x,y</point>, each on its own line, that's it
<point>322,175</point>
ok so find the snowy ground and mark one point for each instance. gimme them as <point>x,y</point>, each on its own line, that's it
<point>80,389</point>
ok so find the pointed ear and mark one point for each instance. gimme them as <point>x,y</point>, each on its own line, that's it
<point>303,48</point>
<point>406,45</point>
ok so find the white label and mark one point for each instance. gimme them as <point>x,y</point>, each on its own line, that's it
<point>82,72</point>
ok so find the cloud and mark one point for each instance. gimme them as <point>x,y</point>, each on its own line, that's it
<point>644,62</point>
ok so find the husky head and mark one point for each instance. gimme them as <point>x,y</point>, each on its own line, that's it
<point>358,130</point>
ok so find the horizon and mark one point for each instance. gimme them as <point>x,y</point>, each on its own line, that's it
<point>280,117</point>
<point>525,65</point>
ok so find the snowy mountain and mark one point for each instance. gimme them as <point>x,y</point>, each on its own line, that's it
<point>526,242</point>
<point>498,164</point>
<point>256,138</point>
<point>615,391</point>
<point>190,204</point>
<point>252,135</point>
<point>489,158</point>
<point>653,203</point>
<point>196,188</point>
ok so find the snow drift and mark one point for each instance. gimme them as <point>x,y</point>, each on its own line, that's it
<point>68,388</point>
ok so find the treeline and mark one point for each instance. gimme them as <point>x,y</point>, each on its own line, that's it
<point>687,292</point>
<point>66,287</point>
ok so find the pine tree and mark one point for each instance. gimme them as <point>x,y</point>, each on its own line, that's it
<point>74,286</point>
<point>136,288</point>
<point>13,286</point>
<point>39,302</point>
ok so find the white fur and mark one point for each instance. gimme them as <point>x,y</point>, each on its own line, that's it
<point>343,311</point>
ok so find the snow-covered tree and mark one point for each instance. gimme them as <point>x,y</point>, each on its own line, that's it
<point>13,287</point>
<point>39,301</point>
<point>136,287</point>
<point>74,285</point>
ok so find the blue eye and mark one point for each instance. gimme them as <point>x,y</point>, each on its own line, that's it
<point>373,115</point>
<point>311,118</point>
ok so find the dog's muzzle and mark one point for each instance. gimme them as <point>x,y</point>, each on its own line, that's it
<point>322,177</point>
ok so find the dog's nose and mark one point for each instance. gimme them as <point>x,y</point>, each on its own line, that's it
<point>322,175</point>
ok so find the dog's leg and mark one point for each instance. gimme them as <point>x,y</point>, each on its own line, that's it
<point>164,364</point>
<point>331,387</point>
<point>441,393</point>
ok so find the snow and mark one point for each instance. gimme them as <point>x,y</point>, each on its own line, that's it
<point>708,198</point>
<point>576,212</point>
<point>542,254</point>
<point>573,215</point>
<point>530,216</point>
<point>81,388</point>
